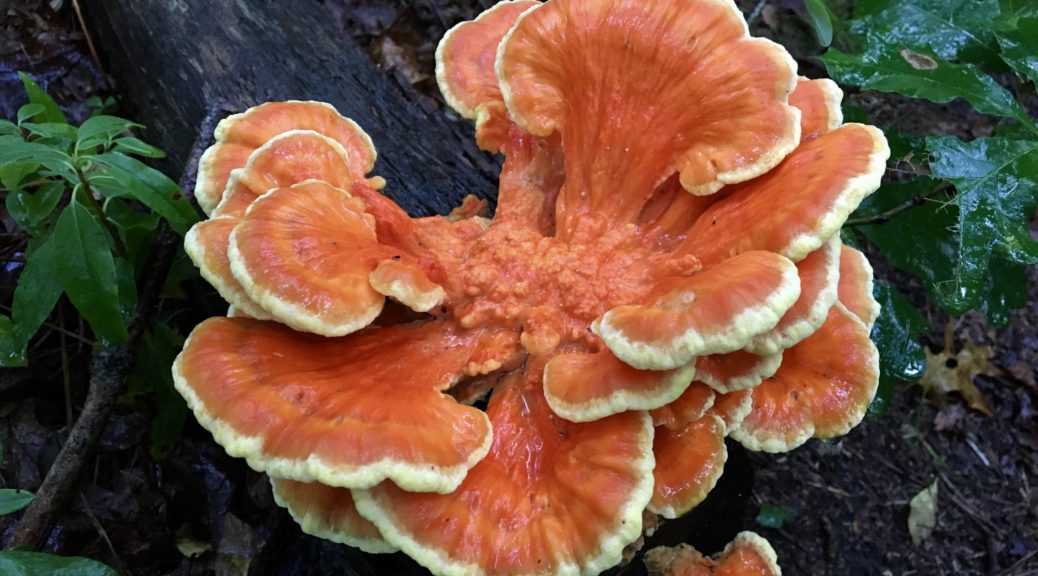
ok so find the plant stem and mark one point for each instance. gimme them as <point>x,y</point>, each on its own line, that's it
<point>918,200</point>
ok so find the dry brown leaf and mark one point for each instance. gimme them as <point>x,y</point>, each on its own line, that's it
<point>947,373</point>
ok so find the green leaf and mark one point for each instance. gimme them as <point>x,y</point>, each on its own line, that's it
<point>773,516</point>
<point>29,111</point>
<point>821,20</point>
<point>887,68</point>
<point>135,228</point>
<point>997,184</point>
<point>8,127</point>
<point>1005,290</point>
<point>51,111</point>
<point>12,352</point>
<point>101,130</point>
<point>52,130</point>
<point>1020,48</point>
<point>896,334</point>
<point>30,209</point>
<point>87,270</point>
<point>23,563</point>
<point>136,147</point>
<point>148,185</point>
<point>38,291</point>
<point>953,29</point>
<point>14,500</point>
<point>14,150</point>
<point>14,175</point>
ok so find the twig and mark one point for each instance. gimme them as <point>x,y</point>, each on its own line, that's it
<point>918,200</point>
<point>104,535</point>
<point>64,369</point>
<point>755,13</point>
<point>89,40</point>
<point>108,372</point>
<point>1018,563</point>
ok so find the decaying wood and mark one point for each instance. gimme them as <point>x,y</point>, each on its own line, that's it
<point>172,59</point>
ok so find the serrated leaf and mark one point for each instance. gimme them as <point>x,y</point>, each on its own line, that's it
<point>137,147</point>
<point>12,500</point>
<point>52,130</point>
<point>101,130</point>
<point>953,29</point>
<point>51,111</point>
<point>997,184</point>
<point>774,516</point>
<point>893,68</point>
<point>922,514</point>
<point>1020,47</point>
<point>821,20</point>
<point>933,255</point>
<point>38,291</point>
<point>896,334</point>
<point>29,111</point>
<point>87,270</point>
<point>149,186</point>
<point>30,209</point>
<point>23,563</point>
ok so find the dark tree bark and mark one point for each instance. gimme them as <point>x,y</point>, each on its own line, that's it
<point>172,60</point>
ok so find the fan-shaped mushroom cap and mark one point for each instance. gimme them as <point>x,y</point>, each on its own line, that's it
<point>584,387</point>
<point>732,407</point>
<point>692,405</point>
<point>819,105</point>
<point>689,462</point>
<point>855,287</point>
<point>328,513</point>
<point>239,135</point>
<point>465,69</point>
<point>286,159</point>
<point>819,275</point>
<point>823,388</point>
<point>747,555</point>
<point>552,497</point>
<point>737,370</point>
<point>407,283</point>
<point>305,254</point>
<point>308,408</point>
<point>713,312</point>
<point>715,99</point>
<point>795,208</point>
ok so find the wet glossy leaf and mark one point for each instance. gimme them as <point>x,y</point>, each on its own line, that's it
<point>12,353</point>
<point>890,68</point>
<point>87,270</point>
<point>22,563</point>
<point>38,291</point>
<point>149,186</point>
<point>12,500</point>
<point>1020,47</point>
<point>51,112</point>
<point>101,130</point>
<point>821,20</point>
<point>772,516</point>
<point>996,180</point>
<point>953,29</point>
<point>896,334</point>
<point>30,209</point>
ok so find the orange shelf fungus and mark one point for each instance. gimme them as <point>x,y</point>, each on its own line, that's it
<point>747,555</point>
<point>662,270</point>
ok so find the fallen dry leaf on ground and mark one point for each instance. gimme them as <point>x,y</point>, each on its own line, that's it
<point>947,373</point>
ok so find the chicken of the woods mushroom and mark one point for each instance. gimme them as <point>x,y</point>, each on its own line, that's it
<point>663,270</point>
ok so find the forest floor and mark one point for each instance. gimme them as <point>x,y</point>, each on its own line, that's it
<point>843,505</point>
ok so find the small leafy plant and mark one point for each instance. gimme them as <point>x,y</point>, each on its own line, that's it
<point>956,214</point>
<point>79,194</point>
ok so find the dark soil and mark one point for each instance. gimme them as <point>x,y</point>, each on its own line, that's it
<point>201,512</point>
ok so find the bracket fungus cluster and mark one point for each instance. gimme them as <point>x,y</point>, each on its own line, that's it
<point>664,270</point>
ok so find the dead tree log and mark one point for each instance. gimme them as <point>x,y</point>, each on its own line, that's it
<point>172,60</point>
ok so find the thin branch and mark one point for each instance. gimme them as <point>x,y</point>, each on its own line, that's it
<point>756,12</point>
<point>89,40</point>
<point>918,200</point>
